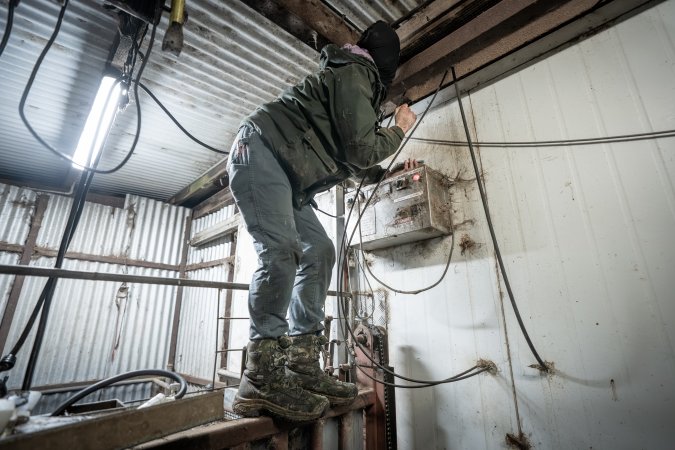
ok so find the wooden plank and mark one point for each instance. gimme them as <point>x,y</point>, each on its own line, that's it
<point>125,428</point>
<point>504,37</point>
<point>228,434</point>
<point>423,20</point>
<point>217,201</point>
<point>211,181</point>
<point>218,230</point>
<point>322,19</point>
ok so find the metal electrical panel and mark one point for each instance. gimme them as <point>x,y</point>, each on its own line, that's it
<point>407,208</point>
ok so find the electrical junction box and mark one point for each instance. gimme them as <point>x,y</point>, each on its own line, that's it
<point>409,207</point>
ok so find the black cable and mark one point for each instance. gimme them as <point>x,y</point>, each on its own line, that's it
<point>558,143</point>
<point>498,253</point>
<point>324,212</point>
<point>8,26</point>
<point>124,376</point>
<point>420,386</point>
<point>414,291</point>
<point>181,127</point>
<point>31,79</point>
<point>49,289</point>
<point>79,197</point>
<point>345,243</point>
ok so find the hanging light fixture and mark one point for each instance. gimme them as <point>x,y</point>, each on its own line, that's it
<point>100,119</point>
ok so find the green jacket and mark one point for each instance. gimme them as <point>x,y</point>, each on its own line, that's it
<point>325,129</point>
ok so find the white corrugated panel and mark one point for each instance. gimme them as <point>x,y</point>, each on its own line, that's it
<point>156,230</point>
<point>200,331</point>
<point>95,329</point>
<point>16,210</point>
<point>586,235</point>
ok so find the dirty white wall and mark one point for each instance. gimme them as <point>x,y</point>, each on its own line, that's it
<point>586,235</point>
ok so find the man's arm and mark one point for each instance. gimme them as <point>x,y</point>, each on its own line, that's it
<point>364,142</point>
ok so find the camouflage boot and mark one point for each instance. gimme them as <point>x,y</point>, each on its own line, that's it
<point>265,385</point>
<point>303,367</point>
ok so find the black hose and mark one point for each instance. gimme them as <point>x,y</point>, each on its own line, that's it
<point>31,79</point>
<point>498,253</point>
<point>178,124</point>
<point>49,289</point>
<point>8,26</point>
<point>123,376</point>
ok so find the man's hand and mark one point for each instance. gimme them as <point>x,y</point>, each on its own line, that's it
<point>404,117</point>
<point>409,164</point>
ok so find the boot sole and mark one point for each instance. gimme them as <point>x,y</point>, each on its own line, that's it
<point>252,407</point>
<point>336,401</point>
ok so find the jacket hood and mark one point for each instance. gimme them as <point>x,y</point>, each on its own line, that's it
<point>334,56</point>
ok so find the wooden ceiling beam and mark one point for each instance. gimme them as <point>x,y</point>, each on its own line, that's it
<point>322,19</point>
<point>503,37</point>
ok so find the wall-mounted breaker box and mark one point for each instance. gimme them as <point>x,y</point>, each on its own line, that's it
<point>407,208</point>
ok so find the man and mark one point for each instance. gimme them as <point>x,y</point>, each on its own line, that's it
<point>315,135</point>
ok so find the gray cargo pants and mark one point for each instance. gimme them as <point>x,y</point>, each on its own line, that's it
<point>295,256</point>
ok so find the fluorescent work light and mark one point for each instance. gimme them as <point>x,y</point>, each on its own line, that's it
<point>99,121</point>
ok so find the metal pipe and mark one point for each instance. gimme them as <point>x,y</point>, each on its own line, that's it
<point>32,271</point>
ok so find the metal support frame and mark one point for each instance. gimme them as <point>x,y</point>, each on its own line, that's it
<point>10,269</point>
<point>227,313</point>
<point>14,294</point>
<point>380,418</point>
<point>179,295</point>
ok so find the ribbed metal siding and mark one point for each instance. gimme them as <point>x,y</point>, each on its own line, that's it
<point>16,210</point>
<point>200,331</point>
<point>586,234</point>
<point>92,332</point>
<point>364,14</point>
<point>64,88</point>
<point>232,61</point>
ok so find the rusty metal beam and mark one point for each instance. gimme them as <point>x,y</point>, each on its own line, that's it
<point>175,324</point>
<point>125,428</point>
<point>209,264</point>
<point>108,259</point>
<point>228,301</point>
<point>503,37</point>
<point>201,381</point>
<point>8,269</point>
<point>26,253</point>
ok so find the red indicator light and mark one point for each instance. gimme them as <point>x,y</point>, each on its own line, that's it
<point>416,177</point>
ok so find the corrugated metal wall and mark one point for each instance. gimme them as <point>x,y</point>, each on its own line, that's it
<point>586,234</point>
<point>96,329</point>
<point>200,332</point>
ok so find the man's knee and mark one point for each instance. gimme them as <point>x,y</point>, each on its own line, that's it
<point>323,251</point>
